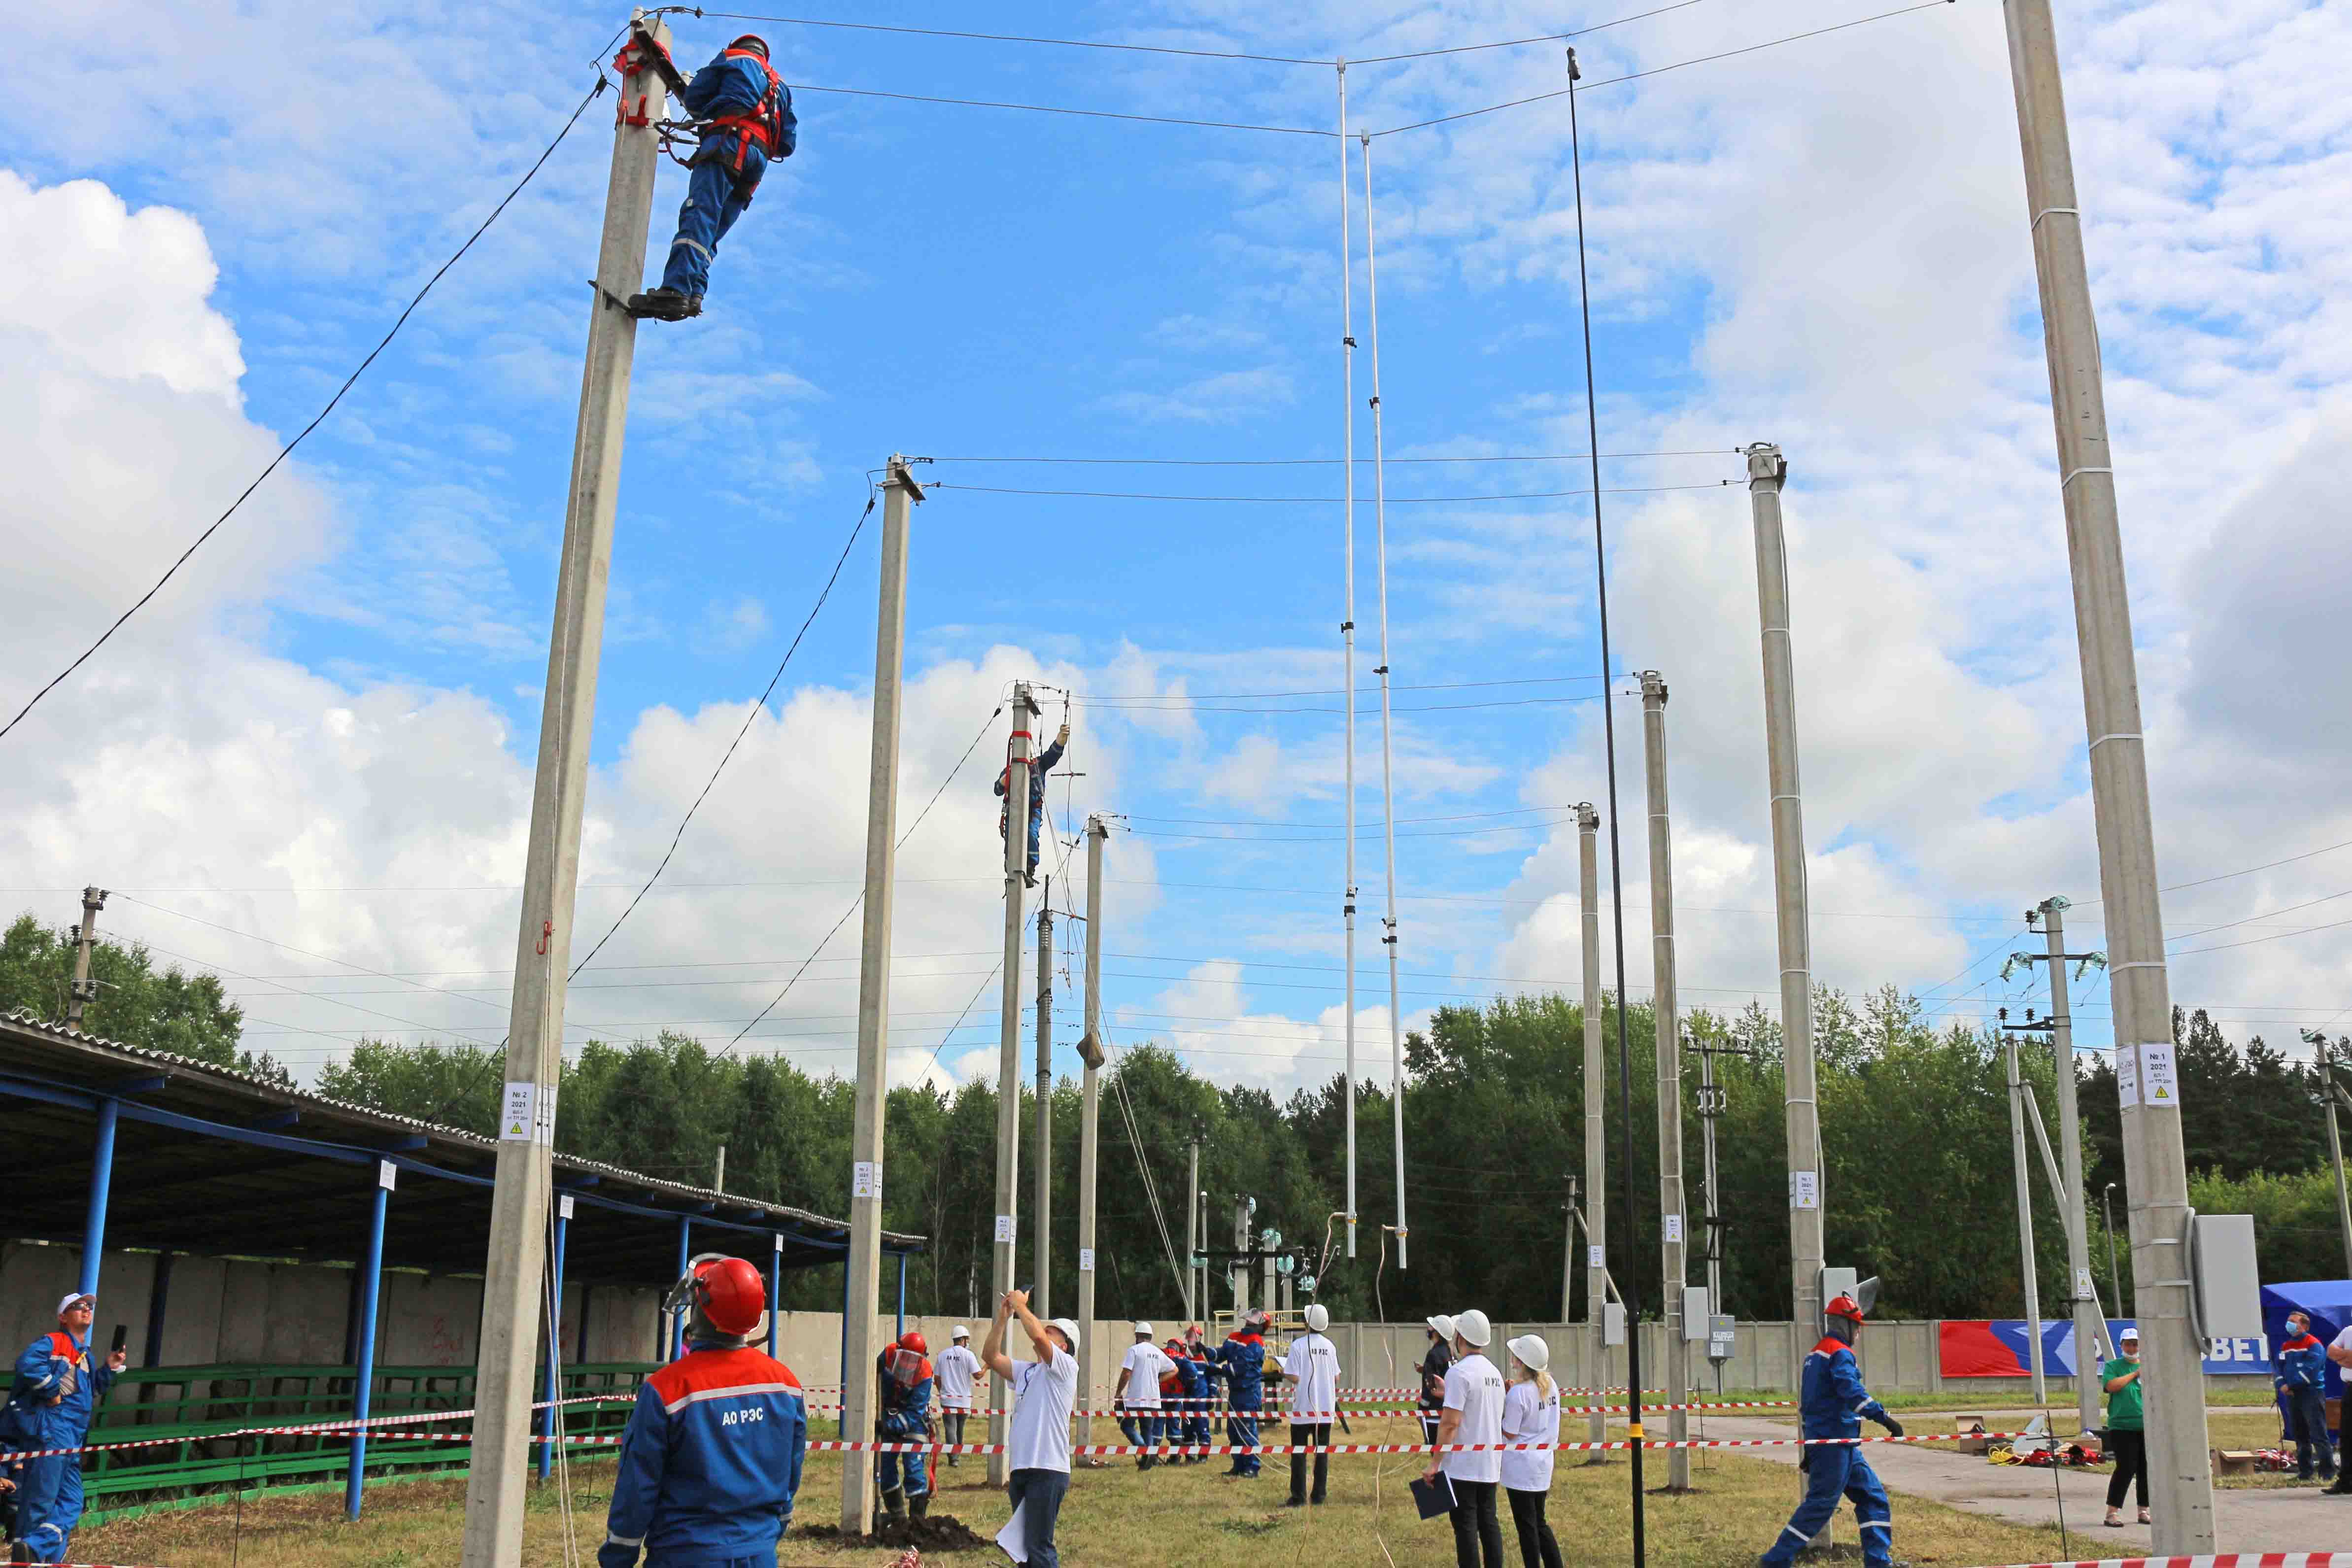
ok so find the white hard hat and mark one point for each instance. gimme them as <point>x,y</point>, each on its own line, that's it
<point>1143,1329</point>
<point>1318,1318</point>
<point>1533,1354</point>
<point>960,1333</point>
<point>1440,1325</point>
<point>1472,1328</point>
<point>1069,1330</point>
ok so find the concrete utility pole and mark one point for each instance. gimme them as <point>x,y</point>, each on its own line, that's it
<point>1672,1214</point>
<point>516,1254</point>
<point>1041,1246</point>
<point>2025,1223</point>
<point>1090,1052</point>
<point>2331,1095</point>
<point>1568,1253</point>
<point>1241,1279</point>
<point>1767,471</point>
<point>1596,1102</point>
<point>718,1172</point>
<point>1008,1055</point>
<point>1193,1237</point>
<point>1348,645</point>
<point>85,990</point>
<point>2090,1323</point>
<point>2156,1172</point>
<point>864,1297</point>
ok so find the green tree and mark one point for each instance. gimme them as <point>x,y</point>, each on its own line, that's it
<point>137,1005</point>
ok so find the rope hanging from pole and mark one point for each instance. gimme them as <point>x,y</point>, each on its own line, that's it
<point>1388,769</point>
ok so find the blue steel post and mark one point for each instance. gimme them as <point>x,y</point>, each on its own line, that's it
<point>554,1346</point>
<point>776,1289</point>
<point>363,1380</point>
<point>101,1180</point>
<point>678,1325</point>
<point>902,1295</point>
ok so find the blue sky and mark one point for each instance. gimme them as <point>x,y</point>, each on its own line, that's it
<point>322,734</point>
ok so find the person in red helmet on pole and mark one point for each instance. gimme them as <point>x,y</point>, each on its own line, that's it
<point>746,118</point>
<point>1832,1405</point>
<point>711,1458</point>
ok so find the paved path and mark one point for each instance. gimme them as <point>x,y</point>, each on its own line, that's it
<point>2264,1521</point>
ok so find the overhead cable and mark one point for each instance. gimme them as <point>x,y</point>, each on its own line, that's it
<point>1334,500</point>
<point>749,720</point>
<point>1333,462</point>
<point>316,419</point>
<point>1055,109</point>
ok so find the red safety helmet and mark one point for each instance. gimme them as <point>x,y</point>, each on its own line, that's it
<point>912,1340</point>
<point>751,41</point>
<point>730,1294</point>
<point>1843,1306</point>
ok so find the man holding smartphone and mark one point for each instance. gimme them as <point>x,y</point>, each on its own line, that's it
<point>57,1389</point>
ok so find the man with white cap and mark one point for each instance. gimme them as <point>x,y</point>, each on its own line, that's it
<point>955,1369</point>
<point>1311,1367</point>
<point>1433,1374</point>
<point>1138,1404</point>
<point>1472,1420</point>
<point>56,1387</point>
<point>1038,1449</point>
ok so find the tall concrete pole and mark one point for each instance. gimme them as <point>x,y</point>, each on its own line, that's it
<point>1767,471</point>
<point>1596,1102</point>
<point>1192,1239</point>
<point>84,991</point>
<point>1673,1215</point>
<point>1090,1052</point>
<point>516,1254</point>
<point>1041,1246</point>
<point>1008,1055</point>
<point>2155,1170</point>
<point>2329,1094</point>
<point>1348,640</point>
<point>864,1300</point>
<point>2090,1325</point>
<point>2025,1226</point>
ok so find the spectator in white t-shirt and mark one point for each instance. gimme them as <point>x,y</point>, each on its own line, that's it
<point>1138,1398</point>
<point>2339,1351</point>
<point>1472,1420</point>
<point>1037,1449</point>
<point>1311,1367</point>
<point>1531,1415</point>
<point>955,1369</point>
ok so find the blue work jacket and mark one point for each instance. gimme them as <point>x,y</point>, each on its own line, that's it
<point>906,1409</point>
<point>1835,1401</point>
<point>1243,1356</point>
<point>711,1461</point>
<point>1039,766</point>
<point>53,1363</point>
<point>2302,1363</point>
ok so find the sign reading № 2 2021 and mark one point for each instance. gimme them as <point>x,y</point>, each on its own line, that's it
<point>1997,1348</point>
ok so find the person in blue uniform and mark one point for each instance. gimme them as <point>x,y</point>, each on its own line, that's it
<point>1039,766</point>
<point>747,118</point>
<point>711,1458</point>
<point>56,1389</point>
<point>1243,1355</point>
<point>2302,1366</point>
<point>1833,1404</point>
<point>905,1407</point>
<point>1190,1425</point>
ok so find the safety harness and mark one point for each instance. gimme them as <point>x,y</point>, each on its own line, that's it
<point>764,124</point>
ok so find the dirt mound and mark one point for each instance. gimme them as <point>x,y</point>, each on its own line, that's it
<point>934,1532</point>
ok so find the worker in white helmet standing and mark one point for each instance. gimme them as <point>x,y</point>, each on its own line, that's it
<point>1531,1415</point>
<point>1311,1367</point>
<point>1473,1421</point>
<point>956,1368</point>
<point>1138,1398</point>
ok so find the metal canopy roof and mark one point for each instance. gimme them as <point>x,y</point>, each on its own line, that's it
<point>210,1160</point>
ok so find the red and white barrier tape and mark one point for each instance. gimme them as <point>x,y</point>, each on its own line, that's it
<point>841,1445</point>
<point>1220,1412</point>
<point>2223,1559</point>
<point>374,1423</point>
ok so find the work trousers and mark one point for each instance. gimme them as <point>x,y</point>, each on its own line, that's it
<point>1317,1433</point>
<point>49,1501</point>
<point>952,1430</point>
<point>1478,1530</point>
<point>1536,1545</point>
<point>1837,1472</point>
<point>1041,1492</point>
<point>1241,1431</point>
<point>1429,1416</point>
<point>2129,1451</point>
<point>2306,1422</point>
<point>890,1467</point>
<point>1143,1429</point>
<point>715,198</point>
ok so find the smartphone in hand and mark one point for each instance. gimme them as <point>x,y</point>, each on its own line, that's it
<point>122,1338</point>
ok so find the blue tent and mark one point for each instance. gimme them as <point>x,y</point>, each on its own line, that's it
<point>2329,1302</point>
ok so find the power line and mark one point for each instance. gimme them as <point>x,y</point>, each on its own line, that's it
<point>1053,109</point>
<point>317,419</point>
<point>1330,463</point>
<point>749,719</point>
<point>1331,500</point>
<point>1661,70</point>
<point>1515,43</point>
<point>1179,700</point>
<point>1021,38</point>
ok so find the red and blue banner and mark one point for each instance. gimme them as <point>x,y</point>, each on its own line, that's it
<point>1997,1347</point>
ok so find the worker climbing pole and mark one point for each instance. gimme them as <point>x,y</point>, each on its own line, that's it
<point>1039,768</point>
<point>742,120</point>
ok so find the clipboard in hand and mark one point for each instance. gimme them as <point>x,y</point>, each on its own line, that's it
<point>1432,1498</point>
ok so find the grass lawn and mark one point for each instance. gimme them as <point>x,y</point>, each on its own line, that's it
<point>1183,1516</point>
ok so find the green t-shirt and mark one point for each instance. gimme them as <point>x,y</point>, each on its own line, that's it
<point>2123,1410</point>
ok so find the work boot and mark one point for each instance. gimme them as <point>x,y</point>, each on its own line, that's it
<point>24,1552</point>
<point>663,305</point>
<point>895,1501</point>
<point>919,1505</point>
